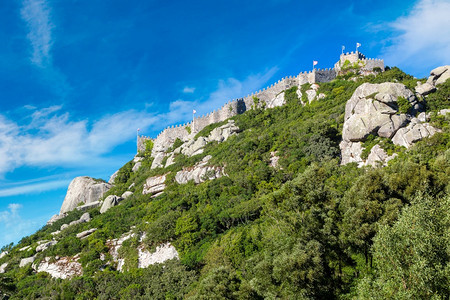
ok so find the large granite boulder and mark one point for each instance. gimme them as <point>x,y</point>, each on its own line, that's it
<point>373,109</point>
<point>110,201</point>
<point>415,131</point>
<point>162,253</point>
<point>154,185</point>
<point>199,173</point>
<point>44,245</point>
<point>83,190</point>
<point>439,75</point>
<point>26,261</point>
<point>3,268</point>
<point>64,267</point>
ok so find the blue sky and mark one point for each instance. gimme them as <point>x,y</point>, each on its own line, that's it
<point>78,77</point>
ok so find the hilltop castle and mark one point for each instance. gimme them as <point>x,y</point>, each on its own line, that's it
<point>347,61</point>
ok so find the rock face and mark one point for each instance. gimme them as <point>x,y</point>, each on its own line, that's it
<point>154,185</point>
<point>199,173</point>
<point>86,233</point>
<point>83,219</point>
<point>414,132</point>
<point>26,261</point>
<point>163,252</point>
<point>110,201</point>
<point>83,190</point>
<point>63,268</point>
<point>44,245</point>
<point>374,109</point>
<point>3,254</point>
<point>113,177</point>
<point>114,246</point>
<point>89,205</point>
<point>3,268</point>
<point>55,218</point>
<point>439,75</point>
<point>277,101</point>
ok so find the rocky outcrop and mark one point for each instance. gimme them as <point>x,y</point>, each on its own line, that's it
<point>55,218</point>
<point>89,205</point>
<point>162,253</point>
<point>26,261</point>
<point>154,185</point>
<point>374,109</point>
<point>277,101</point>
<point>83,190</point>
<point>83,219</point>
<point>412,133</point>
<point>274,158</point>
<point>113,177</point>
<point>64,267</point>
<point>439,75</point>
<point>110,201</point>
<point>44,245</point>
<point>126,194</point>
<point>114,246</point>
<point>3,268</point>
<point>86,233</point>
<point>3,254</point>
<point>199,173</point>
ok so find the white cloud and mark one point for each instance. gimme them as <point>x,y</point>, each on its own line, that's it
<point>188,90</point>
<point>33,188</point>
<point>36,14</point>
<point>421,39</point>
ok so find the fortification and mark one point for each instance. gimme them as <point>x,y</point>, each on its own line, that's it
<point>266,96</point>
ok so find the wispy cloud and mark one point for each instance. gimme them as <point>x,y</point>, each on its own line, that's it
<point>36,14</point>
<point>188,90</point>
<point>33,188</point>
<point>13,226</point>
<point>421,38</point>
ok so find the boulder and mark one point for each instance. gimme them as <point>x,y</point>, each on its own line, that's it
<point>126,194</point>
<point>154,185</point>
<point>157,161</point>
<point>55,218</point>
<point>378,156</point>
<point>63,268</point>
<point>373,109</point>
<point>194,148</point>
<point>3,268</point>
<point>83,190</point>
<point>26,261</point>
<point>89,205</point>
<point>44,245</point>
<point>136,166</point>
<point>277,101</point>
<point>274,158</point>
<point>3,254</point>
<point>444,112</point>
<point>223,132</point>
<point>351,152</point>
<point>26,248</point>
<point>199,173</point>
<point>412,133</point>
<point>162,253</point>
<point>83,219</point>
<point>113,177</point>
<point>110,201</point>
<point>86,233</point>
<point>439,75</point>
<point>425,89</point>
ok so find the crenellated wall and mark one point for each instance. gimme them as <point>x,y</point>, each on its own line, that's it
<point>166,137</point>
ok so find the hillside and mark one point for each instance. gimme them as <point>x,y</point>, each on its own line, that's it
<point>338,190</point>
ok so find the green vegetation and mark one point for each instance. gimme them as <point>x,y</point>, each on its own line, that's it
<point>188,129</point>
<point>308,229</point>
<point>403,105</point>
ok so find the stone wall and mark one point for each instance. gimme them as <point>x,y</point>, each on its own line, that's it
<point>165,139</point>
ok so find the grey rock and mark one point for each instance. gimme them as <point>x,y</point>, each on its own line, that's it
<point>157,162</point>
<point>138,159</point>
<point>171,159</point>
<point>274,158</point>
<point>372,110</point>
<point>26,248</point>
<point>126,194</point>
<point>86,233</point>
<point>26,261</point>
<point>89,205</point>
<point>443,78</point>
<point>136,166</point>
<point>3,268</point>
<point>425,89</point>
<point>414,132</point>
<point>351,152</point>
<point>45,245</point>
<point>83,219</point>
<point>63,268</point>
<point>55,218</point>
<point>83,190</point>
<point>113,177</point>
<point>439,70</point>
<point>3,254</point>
<point>444,112</point>
<point>378,156</point>
<point>439,75</point>
<point>162,253</point>
<point>110,201</point>
<point>154,185</point>
<point>199,173</point>
<point>277,101</point>
<point>311,94</point>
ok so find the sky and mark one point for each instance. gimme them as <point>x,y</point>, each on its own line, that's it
<point>78,77</point>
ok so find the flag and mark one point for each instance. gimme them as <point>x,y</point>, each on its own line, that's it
<point>343,48</point>
<point>194,111</point>
<point>315,62</point>
<point>358,45</point>
<point>139,129</point>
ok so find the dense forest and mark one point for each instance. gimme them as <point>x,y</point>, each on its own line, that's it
<point>308,228</point>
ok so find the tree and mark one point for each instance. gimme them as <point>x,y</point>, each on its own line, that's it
<point>412,256</point>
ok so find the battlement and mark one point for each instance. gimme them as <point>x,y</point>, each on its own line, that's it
<point>265,96</point>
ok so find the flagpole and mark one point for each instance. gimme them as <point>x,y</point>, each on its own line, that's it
<point>137,140</point>
<point>193,121</point>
